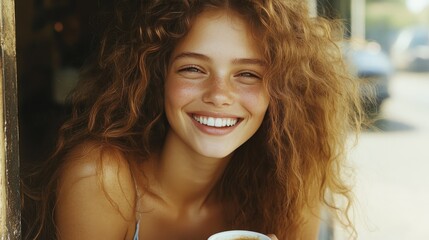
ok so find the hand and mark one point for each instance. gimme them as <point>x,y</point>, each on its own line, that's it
<point>273,237</point>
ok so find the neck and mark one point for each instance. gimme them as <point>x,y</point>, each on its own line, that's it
<point>184,177</point>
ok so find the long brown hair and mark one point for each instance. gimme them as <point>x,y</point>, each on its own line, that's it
<point>293,161</point>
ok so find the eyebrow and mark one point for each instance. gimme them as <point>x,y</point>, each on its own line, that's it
<point>253,61</point>
<point>191,55</point>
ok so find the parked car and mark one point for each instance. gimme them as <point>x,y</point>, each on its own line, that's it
<point>373,68</point>
<point>410,51</point>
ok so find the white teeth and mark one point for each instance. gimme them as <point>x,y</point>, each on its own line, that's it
<point>216,122</point>
<point>211,121</point>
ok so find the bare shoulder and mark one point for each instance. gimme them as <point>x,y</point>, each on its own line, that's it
<point>96,194</point>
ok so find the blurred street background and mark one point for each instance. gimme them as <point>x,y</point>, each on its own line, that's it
<point>392,165</point>
<point>392,157</point>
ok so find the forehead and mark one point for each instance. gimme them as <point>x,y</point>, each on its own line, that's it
<point>217,30</point>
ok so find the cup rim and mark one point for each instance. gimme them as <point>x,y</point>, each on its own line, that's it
<point>238,233</point>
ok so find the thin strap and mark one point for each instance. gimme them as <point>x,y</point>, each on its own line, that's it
<point>139,194</point>
<point>138,213</point>
<point>136,234</point>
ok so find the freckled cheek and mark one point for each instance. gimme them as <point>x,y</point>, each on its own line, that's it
<point>178,93</point>
<point>255,101</point>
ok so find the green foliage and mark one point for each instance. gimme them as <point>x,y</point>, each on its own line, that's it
<point>392,15</point>
<point>390,1</point>
<point>385,18</point>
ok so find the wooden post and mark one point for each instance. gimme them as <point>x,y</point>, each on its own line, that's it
<point>10,214</point>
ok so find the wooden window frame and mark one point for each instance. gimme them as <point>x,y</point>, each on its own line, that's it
<point>10,214</point>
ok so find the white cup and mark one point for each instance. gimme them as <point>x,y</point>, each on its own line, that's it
<point>239,235</point>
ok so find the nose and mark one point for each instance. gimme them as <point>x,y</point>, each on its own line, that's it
<point>218,92</point>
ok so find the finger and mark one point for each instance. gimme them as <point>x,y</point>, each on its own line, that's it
<point>273,237</point>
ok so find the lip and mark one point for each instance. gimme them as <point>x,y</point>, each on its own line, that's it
<point>214,114</point>
<point>217,131</point>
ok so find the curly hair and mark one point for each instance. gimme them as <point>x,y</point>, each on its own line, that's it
<point>293,161</point>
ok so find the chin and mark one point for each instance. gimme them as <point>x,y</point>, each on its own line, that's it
<point>216,153</point>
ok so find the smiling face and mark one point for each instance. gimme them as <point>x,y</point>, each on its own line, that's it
<point>214,95</point>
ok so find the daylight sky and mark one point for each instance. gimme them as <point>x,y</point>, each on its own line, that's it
<point>417,5</point>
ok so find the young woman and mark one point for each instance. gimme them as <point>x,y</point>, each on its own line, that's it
<point>200,116</point>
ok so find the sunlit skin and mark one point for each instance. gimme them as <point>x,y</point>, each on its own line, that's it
<point>215,71</point>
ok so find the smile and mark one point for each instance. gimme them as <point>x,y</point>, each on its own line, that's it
<point>215,122</point>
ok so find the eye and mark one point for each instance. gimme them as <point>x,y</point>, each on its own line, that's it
<point>248,77</point>
<point>190,69</point>
<point>191,72</point>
